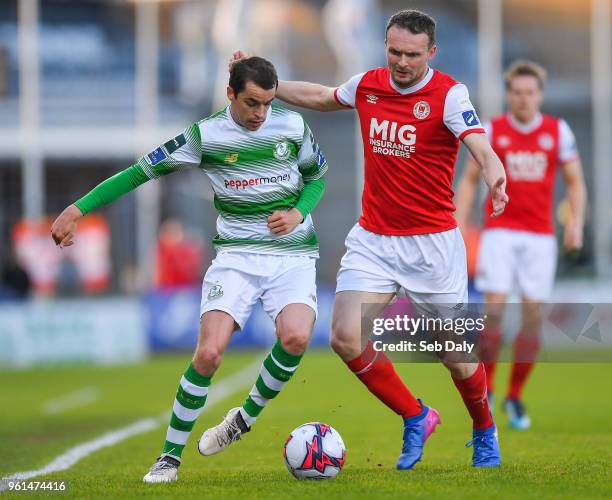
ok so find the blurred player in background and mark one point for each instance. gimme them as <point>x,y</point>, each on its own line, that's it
<point>519,248</point>
<point>412,120</point>
<point>266,170</point>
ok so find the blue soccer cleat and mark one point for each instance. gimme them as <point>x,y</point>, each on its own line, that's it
<point>517,415</point>
<point>417,430</point>
<point>486,448</point>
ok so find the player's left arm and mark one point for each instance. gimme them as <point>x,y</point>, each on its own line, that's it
<point>491,168</point>
<point>576,190</point>
<point>461,119</point>
<point>576,195</point>
<point>312,166</point>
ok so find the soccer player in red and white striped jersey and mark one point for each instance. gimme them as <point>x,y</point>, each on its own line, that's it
<point>413,119</point>
<point>519,247</point>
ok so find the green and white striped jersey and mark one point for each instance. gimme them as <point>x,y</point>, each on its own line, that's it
<point>252,173</point>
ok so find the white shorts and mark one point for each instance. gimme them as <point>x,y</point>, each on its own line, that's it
<point>235,281</point>
<point>429,268</point>
<point>508,257</point>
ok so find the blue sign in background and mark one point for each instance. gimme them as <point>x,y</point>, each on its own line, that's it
<point>172,321</point>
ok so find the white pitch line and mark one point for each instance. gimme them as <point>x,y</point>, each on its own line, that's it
<point>75,399</point>
<point>226,387</point>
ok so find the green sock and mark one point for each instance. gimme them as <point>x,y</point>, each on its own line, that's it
<point>188,404</point>
<point>276,370</point>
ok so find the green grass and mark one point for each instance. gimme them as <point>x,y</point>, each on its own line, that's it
<point>567,453</point>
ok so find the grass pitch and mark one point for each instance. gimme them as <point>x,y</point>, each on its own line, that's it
<point>566,454</point>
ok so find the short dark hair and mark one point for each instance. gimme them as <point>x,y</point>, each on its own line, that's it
<point>414,21</point>
<point>254,69</point>
<point>525,68</point>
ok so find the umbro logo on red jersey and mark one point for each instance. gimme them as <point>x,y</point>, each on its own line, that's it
<point>371,98</point>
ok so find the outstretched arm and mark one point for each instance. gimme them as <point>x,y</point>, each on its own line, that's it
<point>491,168</point>
<point>302,94</point>
<point>308,95</point>
<point>64,227</point>
<point>182,151</point>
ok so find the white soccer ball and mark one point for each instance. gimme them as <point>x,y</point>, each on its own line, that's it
<point>314,451</point>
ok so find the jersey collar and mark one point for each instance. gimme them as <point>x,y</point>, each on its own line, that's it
<point>415,87</point>
<point>525,128</point>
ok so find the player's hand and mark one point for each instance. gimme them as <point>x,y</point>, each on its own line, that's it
<point>236,56</point>
<point>572,239</point>
<point>64,226</point>
<point>499,197</point>
<point>282,222</point>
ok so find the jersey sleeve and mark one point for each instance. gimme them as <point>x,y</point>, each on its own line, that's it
<point>346,93</point>
<point>311,162</point>
<point>182,151</point>
<point>112,188</point>
<point>459,114</point>
<point>568,150</point>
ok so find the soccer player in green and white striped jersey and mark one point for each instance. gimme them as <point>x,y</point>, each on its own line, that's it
<point>266,170</point>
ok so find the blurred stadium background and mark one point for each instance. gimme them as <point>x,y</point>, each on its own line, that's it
<point>86,86</point>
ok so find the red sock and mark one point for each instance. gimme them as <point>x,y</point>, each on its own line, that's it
<point>473,390</point>
<point>526,348</point>
<point>489,345</point>
<point>376,371</point>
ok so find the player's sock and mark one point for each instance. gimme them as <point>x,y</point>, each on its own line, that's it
<point>276,370</point>
<point>188,404</point>
<point>526,348</point>
<point>376,371</point>
<point>473,390</point>
<point>489,345</point>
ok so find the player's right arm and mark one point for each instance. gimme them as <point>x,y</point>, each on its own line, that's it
<point>64,227</point>
<point>303,94</point>
<point>184,150</point>
<point>308,95</point>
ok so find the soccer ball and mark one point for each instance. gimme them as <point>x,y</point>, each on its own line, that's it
<point>314,451</point>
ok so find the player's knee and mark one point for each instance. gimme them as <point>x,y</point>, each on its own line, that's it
<point>532,323</point>
<point>343,346</point>
<point>207,359</point>
<point>337,345</point>
<point>294,339</point>
<point>340,337</point>
<point>460,370</point>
